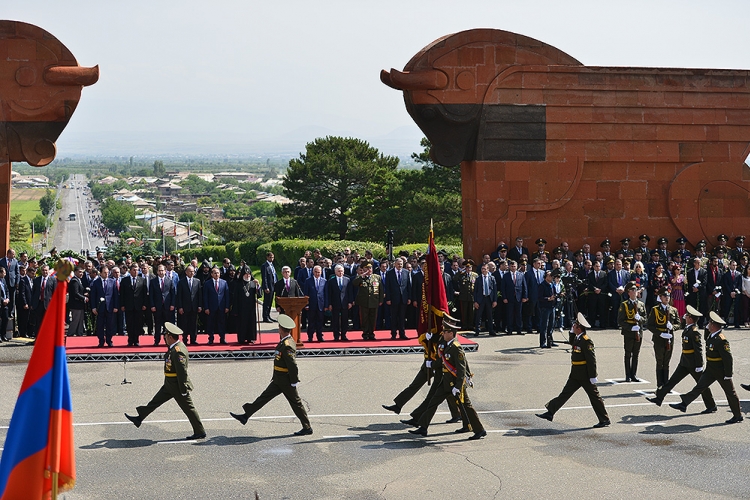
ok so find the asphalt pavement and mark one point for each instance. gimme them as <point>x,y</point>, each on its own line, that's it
<point>360,451</point>
<point>75,235</point>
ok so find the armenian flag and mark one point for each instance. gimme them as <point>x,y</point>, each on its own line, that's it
<point>39,458</point>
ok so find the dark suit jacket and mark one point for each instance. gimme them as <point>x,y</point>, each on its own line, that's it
<point>133,295</point>
<point>317,296</point>
<point>517,292</point>
<point>711,284</point>
<point>11,268</point>
<point>215,301</point>
<point>515,254</point>
<point>303,274</point>
<point>612,280</point>
<point>532,283</point>
<point>339,298</point>
<point>163,299</point>
<point>417,279</point>
<point>76,299</point>
<point>187,299</point>
<point>479,288</point>
<point>279,288</point>
<point>546,290</point>
<point>601,282</point>
<point>395,292</point>
<point>36,291</point>
<point>23,293</point>
<point>729,284</point>
<point>267,276</point>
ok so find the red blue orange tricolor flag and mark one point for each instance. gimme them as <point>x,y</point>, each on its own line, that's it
<point>434,300</point>
<point>39,446</point>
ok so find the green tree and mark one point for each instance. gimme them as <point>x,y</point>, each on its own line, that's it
<point>327,185</point>
<point>38,223</point>
<point>47,202</point>
<point>116,215</point>
<point>159,169</point>
<point>18,230</point>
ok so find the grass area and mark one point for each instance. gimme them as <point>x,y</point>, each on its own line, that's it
<point>25,202</point>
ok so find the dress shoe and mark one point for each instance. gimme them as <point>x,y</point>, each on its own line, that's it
<point>305,431</point>
<point>477,435</point>
<point>403,337</point>
<point>241,417</point>
<point>745,386</point>
<point>602,423</point>
<point>546,415</point>
<point>210,342</point>
<point>453,420</point>
<point>274,321</point>
<point>223,342</point>
<point>679,406</point>
<point>493,334</point>
<point>394,408</point>
<point>521,333</point>
<point>344,339</point>
<point>552,344</point>
<point>713,409</point>
<point>100,345</point>
<point>196,436</point>
<point>411,422</point>
<point>734,420</point>
<point>655,400</point>
<point>136,420</point>
<point>635,379</point>
<point>462,430</point>
<point>156,343</point>
<point>109,344</point>
<point>393,337</point>
<point>476,334</point>
<point>628,379</point>
<point>419,431</point>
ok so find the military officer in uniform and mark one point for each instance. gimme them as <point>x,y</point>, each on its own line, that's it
<point>464,283</point>
<point>631,318</point>
<point>718,368</point>
<point>284,380</point>
<point>456,379</point>
<point>177,384</point>
<point>662,321</point>
<point>541,243</point>
<point>369,297</point>
<point>625,250</point>
<point>739,244</point>
<point>582,374</point>
<point>691,362</point>
<point>684,252</point>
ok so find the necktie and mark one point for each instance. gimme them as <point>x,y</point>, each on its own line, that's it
<point>44,283</point>
<point>486,286</point>
<point>514,279</point>
<point>190,284</point>
<point>118,284</point>
<point>287,285</point>
<point>619,278</point>
<point>398,275</point>
<point>341,285</point>
<point>217,285</point>
<point>161,284</point>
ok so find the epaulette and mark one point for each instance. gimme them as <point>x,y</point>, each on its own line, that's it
<point>722,337</point>
<point>585,337</point>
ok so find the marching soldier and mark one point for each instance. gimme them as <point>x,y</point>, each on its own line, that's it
<point>464,283</point>
<point>284,380</point>
<point>177,384</point>
<point>691,362</point>
<point>456,378</point>
<point>661,323</point>
<point>631,317</point>
<point>369,297</point>
<point>582,374</point>
<point>718,368</point>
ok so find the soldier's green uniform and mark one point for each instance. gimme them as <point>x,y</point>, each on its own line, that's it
<point>718,368</point>
<point>661,323</point>
<point>455,370</point>
<point>177,385</point>
<point>284,381</point>
<point>464,282</point>
<point>631,314</point>
<point>582,374</point>
<point>369,296</point>
<point>691,363</point>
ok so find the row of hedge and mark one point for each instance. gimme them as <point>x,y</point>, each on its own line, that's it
<point>288,252</point>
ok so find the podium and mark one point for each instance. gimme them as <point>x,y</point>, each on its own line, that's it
<point>293,308</point>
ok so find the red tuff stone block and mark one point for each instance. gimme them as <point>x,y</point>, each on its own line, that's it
<point>564,151</point>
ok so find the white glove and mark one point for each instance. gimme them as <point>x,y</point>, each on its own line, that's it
<point>727,378</point>
<point>665,335</point>
<point>669,326</point>
<point>456,391</point>
<point>428,336</point>
<point>637,317</point>
<point>593,380</point>
<point>718,294</point>
<point>699,369</point>
<point>697,283</point>
<point>295,384</point>
<point>571,330</point>
<point>185,394</point>
<point>428,364</point>
<point>635,328</point>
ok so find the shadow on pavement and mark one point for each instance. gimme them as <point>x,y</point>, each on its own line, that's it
<point>118,444</point>
<point>678,429</point>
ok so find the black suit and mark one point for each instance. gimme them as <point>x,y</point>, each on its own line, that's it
<point>23,299</point>
<point>76,306</point>
<point>11,280</point>
<point>598,302</point>
<point>398,293</point>
<point>713,280</point>
<point>162,300</point>
<point>40,300</point>
<point>485,302</point>
<point>132,300</point>
<point>4,294</point>
<point>696,299</point>
<point>339,298</point>
<point>189,298</point>
<point>268,280</point>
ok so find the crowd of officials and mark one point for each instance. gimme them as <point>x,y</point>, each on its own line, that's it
<point>512,290</point>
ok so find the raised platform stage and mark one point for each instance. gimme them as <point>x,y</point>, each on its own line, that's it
<point>85,348</point>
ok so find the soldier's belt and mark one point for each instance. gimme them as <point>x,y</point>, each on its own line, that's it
<point>688,351</point>
<point>578,363</point>
<point>170,374</point>
<point>281,369</point>
<point>713,359</point>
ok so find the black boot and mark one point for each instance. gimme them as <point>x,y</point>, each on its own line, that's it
<point>633,369</point>
<point>665,375</point>
<point>659,377</point>
<point>628,370</point>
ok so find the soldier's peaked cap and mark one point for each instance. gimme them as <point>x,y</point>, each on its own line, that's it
<point>286,322</point>
<point>173,329</point>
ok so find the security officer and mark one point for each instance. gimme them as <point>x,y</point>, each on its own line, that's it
<point>369,297</point>
<point>456,378</point>
<point>625,250</point>
<point>718,368</point>
<point>631,317</point>
<point>662,250</point>
<point>684,252</point>
<point>644,240</point>
<point>739,249</point>
<point>541,243</point>
<point>284,380</point>
<point>582,374</point>
<point>691,362</point>
<point>464,283</point>
<point>662,321</point>
<point>606,248</point>
<point>177,384</point>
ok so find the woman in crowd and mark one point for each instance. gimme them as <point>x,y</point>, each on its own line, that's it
<point>641,280</point>
<point>678,296</point>
<point>656,282</point>
<point>745,297</point>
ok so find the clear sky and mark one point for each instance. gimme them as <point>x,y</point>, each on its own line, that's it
<point>250,77</point>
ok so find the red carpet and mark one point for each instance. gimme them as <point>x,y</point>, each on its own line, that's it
<point>85,348</point>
